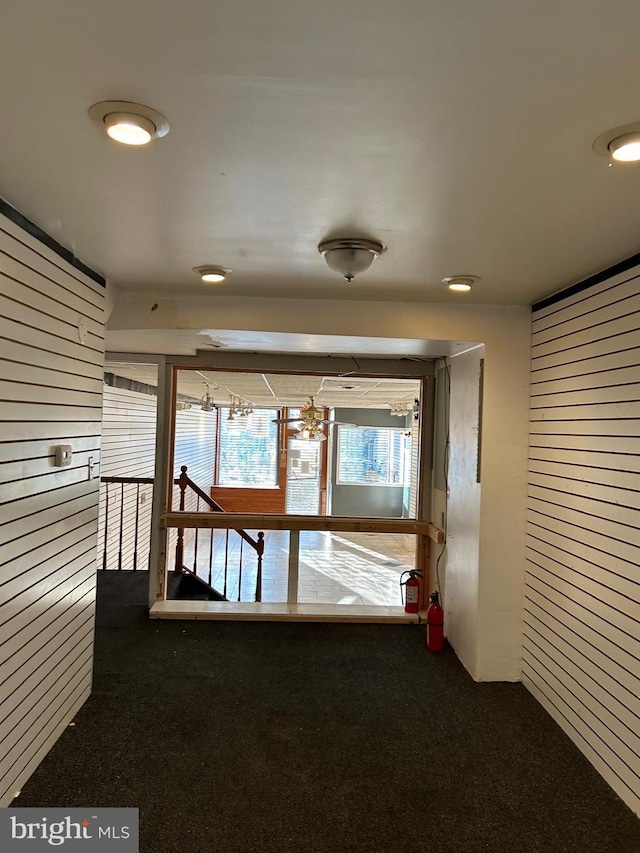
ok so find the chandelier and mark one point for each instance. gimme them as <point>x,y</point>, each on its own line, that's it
<point>311,431</point>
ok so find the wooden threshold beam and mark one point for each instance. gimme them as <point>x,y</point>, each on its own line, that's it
<point>338,524</point>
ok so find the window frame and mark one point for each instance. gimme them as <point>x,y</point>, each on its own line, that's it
<point>401,484</point>
<point>276,446</point>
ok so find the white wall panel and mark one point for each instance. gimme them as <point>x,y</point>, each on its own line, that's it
<point>582,594</point>
<point>195,445</point>
<point>50,393</point>
<point>128,450</point>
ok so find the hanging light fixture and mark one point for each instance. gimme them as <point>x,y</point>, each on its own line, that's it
<point>206,402</point>
<point>239,411</point>
<point>349,257</point>
<point>311,431</point>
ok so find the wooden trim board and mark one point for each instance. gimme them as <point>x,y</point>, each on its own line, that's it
<point>268,611</point>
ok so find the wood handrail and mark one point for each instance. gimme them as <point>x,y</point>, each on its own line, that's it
<point>141,480</point>
<point>184,482</point>
<point>215,506</point>
<point>335,523</point>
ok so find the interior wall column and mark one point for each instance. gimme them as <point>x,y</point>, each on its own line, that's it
<point>158,553</point>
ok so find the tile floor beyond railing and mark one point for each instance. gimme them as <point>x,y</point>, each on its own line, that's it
<point>345,568</point>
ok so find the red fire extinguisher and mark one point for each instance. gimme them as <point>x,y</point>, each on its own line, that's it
<point>435,624</point>
<point>412,590</point>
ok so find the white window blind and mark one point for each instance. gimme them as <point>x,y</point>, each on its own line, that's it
<point>248,449</point>
<point>371,456</point>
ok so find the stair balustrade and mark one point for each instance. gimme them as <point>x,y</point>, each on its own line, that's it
<point>212,558</point>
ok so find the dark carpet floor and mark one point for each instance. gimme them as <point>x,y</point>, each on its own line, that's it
<point>308,738</point>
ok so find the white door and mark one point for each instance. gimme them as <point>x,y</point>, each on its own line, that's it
<point>303,477</point>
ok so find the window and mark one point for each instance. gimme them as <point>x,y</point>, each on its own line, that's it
<point>371,456</point>
<point>248,450</point>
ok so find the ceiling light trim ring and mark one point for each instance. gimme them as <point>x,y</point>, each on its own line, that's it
<point>374,246</point>
<point>461,282</point>
<point>99,112</point>
<point>602,144</point>
<point>212,269</point>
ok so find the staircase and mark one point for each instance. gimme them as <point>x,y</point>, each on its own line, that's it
<point>196,583</point>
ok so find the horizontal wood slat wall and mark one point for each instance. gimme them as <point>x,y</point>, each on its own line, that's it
<point>582,596</point>
<point>128,450</point>
<point>50,394</point>
<point>195,445</point>
<point>236,499</point>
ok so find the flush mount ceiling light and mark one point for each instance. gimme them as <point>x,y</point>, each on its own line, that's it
<point>461,283</point>
<point>129,123</point>
<point>350,257</point>
<point>212,275</point>
<point>622,144</point>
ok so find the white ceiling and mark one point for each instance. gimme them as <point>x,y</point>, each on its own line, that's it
<point>459,133</point>
<point>274,390</point>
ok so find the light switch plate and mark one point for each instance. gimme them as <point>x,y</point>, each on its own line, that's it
<point>63,455</point>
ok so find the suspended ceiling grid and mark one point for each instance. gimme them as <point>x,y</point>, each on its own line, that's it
<point>278,390</point>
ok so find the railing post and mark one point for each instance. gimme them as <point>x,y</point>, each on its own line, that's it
<point>182,483</point>
<point>195,542</point>
<point>260,552</point>
<point>121,526</point>
<point>106,528</point>
<point>135,534</point>
<point>294,565</point>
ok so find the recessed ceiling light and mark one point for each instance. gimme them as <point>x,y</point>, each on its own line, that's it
<point>621,144</point>
<point>212,275</point>
<point>129,123</point>
<point>461,283</point>
<point>129,129</point>
<point>626,149</point>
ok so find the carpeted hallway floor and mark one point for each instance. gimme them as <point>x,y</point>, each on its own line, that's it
<point>305,738</point>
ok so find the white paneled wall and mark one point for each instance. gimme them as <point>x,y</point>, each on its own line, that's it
<point>128,439</point>
<point>51,356</point>
<point>128,450</point>
<point>582,597</point>
<point>195,445</point>
<point>128,433</point>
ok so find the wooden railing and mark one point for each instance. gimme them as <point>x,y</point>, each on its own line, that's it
<point>425,533</point>
<point>125,532</point>
<point>186,485</point>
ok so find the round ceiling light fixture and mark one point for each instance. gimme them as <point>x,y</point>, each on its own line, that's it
<point>461,283</point>
<point>349,257</point>
<point>211,274</point>
<point>129,123</point>
<point>622,144</point>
